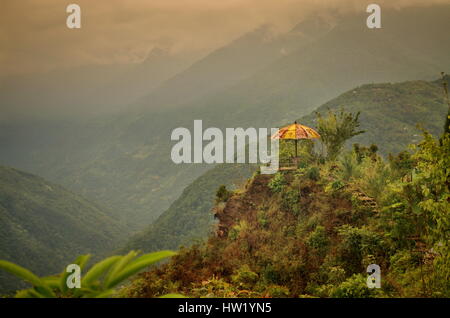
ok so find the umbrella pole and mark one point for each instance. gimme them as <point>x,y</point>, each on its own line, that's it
<point>296,155</point>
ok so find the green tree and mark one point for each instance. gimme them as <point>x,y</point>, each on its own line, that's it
<point>447,119</point>
<point>335,129</point>
<point>433,179</point>
<point>222,194</point>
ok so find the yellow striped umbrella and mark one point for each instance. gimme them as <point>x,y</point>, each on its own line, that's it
<point>296,132</point>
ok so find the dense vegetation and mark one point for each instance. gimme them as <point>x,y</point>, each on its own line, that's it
<point>189,217</point>
<point>313,231</point>
<point>43,226</point>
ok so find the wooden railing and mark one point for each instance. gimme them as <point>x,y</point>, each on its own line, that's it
<point>288,164</point>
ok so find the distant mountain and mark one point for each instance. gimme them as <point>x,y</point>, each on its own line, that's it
<point>259,80</point>
<point>389,115</point>
<point>138,134</point>
<point>347,55</point>
<point>45,227</point>
<point>223,67</point>
<point>86,90</point>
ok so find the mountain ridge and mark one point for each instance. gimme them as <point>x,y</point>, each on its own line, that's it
<point>45,227</point>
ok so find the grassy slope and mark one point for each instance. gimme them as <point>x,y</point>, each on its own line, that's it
<point>44,227</point>
<point>267,241</point>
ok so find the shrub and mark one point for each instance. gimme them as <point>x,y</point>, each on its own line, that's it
<point>362,152</point>
<point>354,287</point>
<point>402,163</point>
<point>222,194</point>
<point>237,229</point>
<point>262,218</point>
<point>404,260</point>
<point>358,243</point>
<point>336,275</point>
<point>277,183</point>
<point>290,201</point>
<point>277,291</point>
<point>215,287</point>
<point>318,240</point>
<point>374,178</point>
<point>349,166</point>
<point>244,277</point>
<point>313,174</point>
<point>334,186</point>
<point>271,275</point>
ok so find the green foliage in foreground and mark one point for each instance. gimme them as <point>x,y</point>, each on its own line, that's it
<point>99,281</point>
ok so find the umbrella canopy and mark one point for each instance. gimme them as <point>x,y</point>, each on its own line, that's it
<point>296,131</point>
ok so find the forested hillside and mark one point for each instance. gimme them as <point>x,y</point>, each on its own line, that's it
<point>392,112</point>
<point>44,227</point>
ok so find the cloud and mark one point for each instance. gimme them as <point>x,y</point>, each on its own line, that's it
<point>34,36</point>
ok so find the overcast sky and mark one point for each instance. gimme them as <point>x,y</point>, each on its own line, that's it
<point>34,36</point>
